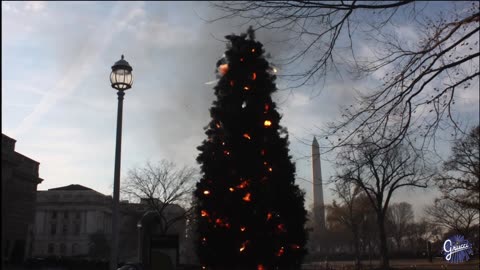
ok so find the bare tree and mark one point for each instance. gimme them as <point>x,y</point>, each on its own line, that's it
<point>163,186</point>
<point>460,179</point>
<point>379,174</point>
<point>452,216</point>
<point>422,75</point>
<point>399,219</point>
<point>348,213</point>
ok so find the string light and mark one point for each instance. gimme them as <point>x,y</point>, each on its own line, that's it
<point>246,136</point>
<point>247,197</point>
<point>280,252</point>
<point>246,88</point>
<point>243,184</point>
<point>270,169</point>
<point>231,83</point>
<point>204,213</point>
<point>241,59</point>
<point>253,50</point>
<point>226,152</point>
<point>217,125</point>
<point>262,152</point>
<point>281,228</point>
<point>260,267</point>
<point>206,192</point>
<point>242,229</point>
<point>243,246</point>
<point>254,76</point>
<point>231,189</point>
<point>267,123</point>
<point>267,107</point>
<point>269,216</point>
<point>295,246</point>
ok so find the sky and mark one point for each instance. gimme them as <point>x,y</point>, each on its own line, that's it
<point>58,104</point>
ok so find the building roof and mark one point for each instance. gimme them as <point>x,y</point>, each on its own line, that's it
<point>72,187</point>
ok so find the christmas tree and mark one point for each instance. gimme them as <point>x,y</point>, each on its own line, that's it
<point>251,213</point>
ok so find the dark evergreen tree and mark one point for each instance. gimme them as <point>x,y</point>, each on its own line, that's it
<point>251,214</point>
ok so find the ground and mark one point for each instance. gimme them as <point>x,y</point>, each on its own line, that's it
<point>410,264</point>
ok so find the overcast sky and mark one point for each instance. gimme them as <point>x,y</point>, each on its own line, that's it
<point>58,104</point>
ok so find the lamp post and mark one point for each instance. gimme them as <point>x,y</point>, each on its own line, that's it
<point>121,79</point>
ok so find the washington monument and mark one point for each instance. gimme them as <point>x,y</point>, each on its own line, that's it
<point>318,206</point>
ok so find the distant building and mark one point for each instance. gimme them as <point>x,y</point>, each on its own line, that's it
<point>76,221</point>
<point>19,186</point>
<point>66,217</point>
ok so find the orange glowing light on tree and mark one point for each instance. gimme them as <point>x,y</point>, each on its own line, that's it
<point>231,189</point>
<point>247,136</point>
<point>243,246</point>
<point>243,184</point>
<point>254,76</point>
<point>226,152</point>
<point>227,225</point>
<point>267,123</point>
<point>231,83</point>
<point>269,216</point>
<point>246,88</point>
<point>270,169</point>
<point>206,192</point>
<point>247,197</point>
<point>253,50</point>
<point>262,152</point>
<point>204,239</point>
<point>241,59</point>
<point>204,213</point>
<point>260,267</point>
<point>281,227</point>
<point>223,69</point>
<point>242,229</point>
<point>203,267</point>
<point>218,221</point>
<point>267,107</point>
<point>280,252</point>
<point>217,125</point>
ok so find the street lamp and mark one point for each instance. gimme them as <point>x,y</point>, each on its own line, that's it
<point>121,79</point>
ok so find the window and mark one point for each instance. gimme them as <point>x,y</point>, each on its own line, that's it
<point>63,249</point>
<point>76,229</point>
<point>74,249</point>
<point>54,214</point>
<point>77,215</point>
<point>7,245</point>
<point>64,229</point>
<point>53,229</point>
<point>65,215</point>
<point>51,248</point>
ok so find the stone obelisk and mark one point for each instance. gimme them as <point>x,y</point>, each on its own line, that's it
<point>318,206</point>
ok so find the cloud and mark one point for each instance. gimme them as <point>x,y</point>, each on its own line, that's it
<point>35,6</point>
<point>80,68</point>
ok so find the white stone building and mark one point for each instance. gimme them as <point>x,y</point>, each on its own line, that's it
<point>66,216</point>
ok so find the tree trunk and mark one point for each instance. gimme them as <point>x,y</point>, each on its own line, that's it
<point>383,241</point>
<point>357,247</point>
